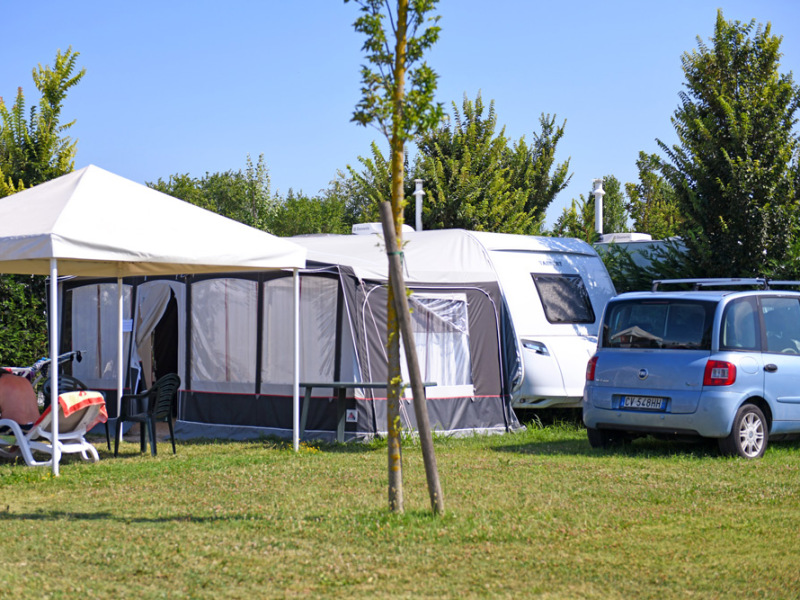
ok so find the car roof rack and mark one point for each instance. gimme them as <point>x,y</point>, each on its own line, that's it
<point>771,282</point>
<point>697,284</point>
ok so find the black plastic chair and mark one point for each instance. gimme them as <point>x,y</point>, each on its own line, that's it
<point>68,383</point>
<point>148,408</point>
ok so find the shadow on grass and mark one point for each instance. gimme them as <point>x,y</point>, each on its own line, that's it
<point>270,442</point>
<point>647,447</point>
<point>369,517</point>
<point>58,515</point>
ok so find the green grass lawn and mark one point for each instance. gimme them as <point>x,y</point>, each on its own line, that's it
<point>536,514</point>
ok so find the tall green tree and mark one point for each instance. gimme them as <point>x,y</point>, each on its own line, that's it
<point>397,37</point>
<point>464,165</point>
<point>652,202</point>
<point>33,149</point>
<point>533,168</point>
<point>476,179</point>
<point>244,196</point>
<point>734,169</point>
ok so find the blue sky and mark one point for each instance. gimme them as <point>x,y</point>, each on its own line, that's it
<point>176,86</point>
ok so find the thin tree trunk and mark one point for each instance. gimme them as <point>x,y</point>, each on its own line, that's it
<point>417,387</point>
<point>395,454</point>
<point>393,338</point>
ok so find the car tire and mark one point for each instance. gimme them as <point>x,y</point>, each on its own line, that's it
<point>749,435</point>
<point>605,438</point>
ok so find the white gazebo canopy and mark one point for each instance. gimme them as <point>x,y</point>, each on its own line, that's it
<point>95,223</point>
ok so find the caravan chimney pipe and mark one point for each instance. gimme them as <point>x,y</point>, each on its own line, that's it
<point>598,205</point>
<point>418,194</point>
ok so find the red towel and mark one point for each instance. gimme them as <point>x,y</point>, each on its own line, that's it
<point>74,401</point>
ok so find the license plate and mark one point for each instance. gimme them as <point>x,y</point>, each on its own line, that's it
<point>644,402</point>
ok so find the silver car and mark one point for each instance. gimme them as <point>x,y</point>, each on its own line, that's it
<point>713,364</point>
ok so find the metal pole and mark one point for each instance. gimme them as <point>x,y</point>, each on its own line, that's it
<point>120,355</point>
<point>598,205</point>
<point>418,194</point>
<point>296,364</point>
<point>54,362</point>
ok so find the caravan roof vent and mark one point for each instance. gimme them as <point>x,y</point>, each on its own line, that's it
<point>370,228</point>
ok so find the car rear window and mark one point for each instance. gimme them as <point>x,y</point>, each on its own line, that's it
<point>564,298</point>
<point>664,323</point>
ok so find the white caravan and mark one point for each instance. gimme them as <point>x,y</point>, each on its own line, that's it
<point>556,290</point>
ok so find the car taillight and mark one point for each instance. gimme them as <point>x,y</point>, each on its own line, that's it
<point>719,372</point>
<point>590,368</point>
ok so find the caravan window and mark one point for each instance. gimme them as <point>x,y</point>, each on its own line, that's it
<point>441,335</point>
<point>564,298</point>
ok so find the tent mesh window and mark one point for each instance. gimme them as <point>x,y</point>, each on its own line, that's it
<point>224,335</point>
<point>441,336</point>
<point>93,325</point>
<point>564,298</point>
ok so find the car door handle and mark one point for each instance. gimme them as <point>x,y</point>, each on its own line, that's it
<point>770,368</point>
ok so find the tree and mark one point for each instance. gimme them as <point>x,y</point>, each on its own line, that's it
<point>36,150</point>
<point>530,168</point>
<point>242,196</point>
<point>299,214</point>
<point>371,186</point>
<point>652,203</point>
<point>463,163</point>
<point>33,150</point>
<point>399,114</point>
<point>476,180</point>
<point>734,169</point>
<point>577,221</point>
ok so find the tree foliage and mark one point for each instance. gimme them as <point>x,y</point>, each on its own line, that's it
<point>33,149</point>
<point>533,169</point>
<point>474,177</point>
<point>23,334</point>
<point>371,186</point>
<point>397,116</point>
<point>652,202</point>
<point>244,196</point>
<point>577,221</point>
<point>464,163</point>
<point>735,170</point>
<point>298,214</point>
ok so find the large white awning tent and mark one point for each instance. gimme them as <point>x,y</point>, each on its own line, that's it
<point>94,223</point>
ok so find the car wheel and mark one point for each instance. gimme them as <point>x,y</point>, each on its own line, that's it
<point>749,435</point>
<point>605,438</point>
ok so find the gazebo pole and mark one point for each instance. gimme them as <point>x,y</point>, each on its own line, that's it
<point>120,352</point>
<point>54,362</point>
<point>296,362</point>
